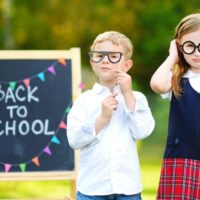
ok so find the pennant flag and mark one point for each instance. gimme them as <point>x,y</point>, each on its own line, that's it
<point>55,140</point>
<point>62,125</point>
<point>26,82</point>
<point>41,76</point>
<point>52,70</point>
<point>7,167</point>
<point>47,150</point>
<point>23,167</point>
<point>12,85</point>
<point>67,109</point>
<point>62,61</point>
<point>36,161</point>
<point>81,86</point>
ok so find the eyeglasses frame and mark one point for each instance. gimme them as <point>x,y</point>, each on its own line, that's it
<point>105,53</point>
<point>195,47</point>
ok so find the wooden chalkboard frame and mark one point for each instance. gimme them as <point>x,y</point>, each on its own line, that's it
<point>72,54</point>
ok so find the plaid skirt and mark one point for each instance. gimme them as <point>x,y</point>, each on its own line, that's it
<point>179,180</point>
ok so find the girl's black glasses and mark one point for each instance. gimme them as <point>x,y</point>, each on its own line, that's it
<point>189,47</point>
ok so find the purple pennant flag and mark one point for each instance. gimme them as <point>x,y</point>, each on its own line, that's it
<point>47,150</point>
<point>52,70</point>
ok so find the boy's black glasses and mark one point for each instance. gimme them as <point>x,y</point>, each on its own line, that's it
<point>113,56</point>
<point>189,47</point>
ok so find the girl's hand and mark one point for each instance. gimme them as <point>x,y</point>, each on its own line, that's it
<point>173,51</point>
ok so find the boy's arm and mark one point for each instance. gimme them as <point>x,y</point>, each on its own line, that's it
<point>80,126</point>
<point>139,117</point>
<point>125,82</point>
<point>161,79</point>
<point>141,121</point>
<point>109,104</point>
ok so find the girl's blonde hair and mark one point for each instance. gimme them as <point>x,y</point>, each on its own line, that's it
<point>117,39</point>
<point>188,24</point>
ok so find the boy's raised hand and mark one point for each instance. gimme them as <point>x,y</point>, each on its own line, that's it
<point>124,80</point>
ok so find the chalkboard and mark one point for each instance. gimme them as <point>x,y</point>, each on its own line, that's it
<point>37,89</point>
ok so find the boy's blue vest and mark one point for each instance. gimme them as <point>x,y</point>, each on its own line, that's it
<point>184,124</point>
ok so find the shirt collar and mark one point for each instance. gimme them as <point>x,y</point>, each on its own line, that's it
<point>98,88</point>
<point>191,74</point>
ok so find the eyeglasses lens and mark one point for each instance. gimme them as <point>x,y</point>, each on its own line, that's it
<point>189,47</point>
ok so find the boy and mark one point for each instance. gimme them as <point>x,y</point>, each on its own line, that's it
<point>105,122</point>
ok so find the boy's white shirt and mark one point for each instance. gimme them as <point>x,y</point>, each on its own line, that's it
<point>108,161</point>
<point>194,80</point>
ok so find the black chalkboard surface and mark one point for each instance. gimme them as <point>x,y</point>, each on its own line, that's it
<point>36,92</point>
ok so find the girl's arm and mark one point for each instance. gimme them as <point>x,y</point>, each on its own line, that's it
<point>161,79</point>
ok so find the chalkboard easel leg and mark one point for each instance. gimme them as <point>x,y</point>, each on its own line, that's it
<point>73,189</point>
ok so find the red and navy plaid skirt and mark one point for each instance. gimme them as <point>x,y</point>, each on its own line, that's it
<point>179,180</point>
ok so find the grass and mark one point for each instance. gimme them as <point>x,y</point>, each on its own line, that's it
<point>59,189</point>
<point>150,179</point>
<point>34,189</point>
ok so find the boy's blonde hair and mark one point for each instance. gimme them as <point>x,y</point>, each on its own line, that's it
<point>117,39</point>
<point>187,25</point>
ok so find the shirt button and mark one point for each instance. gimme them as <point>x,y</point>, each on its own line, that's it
<point>177,141</point>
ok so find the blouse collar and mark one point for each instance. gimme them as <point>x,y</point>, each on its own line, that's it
<point>191,74</point>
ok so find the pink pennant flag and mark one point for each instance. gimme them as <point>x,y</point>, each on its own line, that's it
<point>62,61</point>
<point>26,82</point>
<point>36,161</point>
<point>7,167</point>
<point>81,86</point>
<point>62,125</point>
<point>52,70</point>
<point>47,150</point>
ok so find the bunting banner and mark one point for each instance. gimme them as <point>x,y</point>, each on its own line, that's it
<point>33,118</point>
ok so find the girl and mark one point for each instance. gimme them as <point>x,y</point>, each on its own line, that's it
<point>178,78</point>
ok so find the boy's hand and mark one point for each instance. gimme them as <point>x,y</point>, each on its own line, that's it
<point>108,105</point>
<point>124,80</point>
